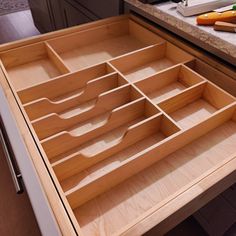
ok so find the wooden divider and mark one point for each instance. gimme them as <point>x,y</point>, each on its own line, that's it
<point>195,104</point>
<point>33,64</point>
<point>168,83</point>
<point>102,43</point>
<point>53,123</point>
<point>84,158</point>
<point>64,84</point>
<point>79,194</point>
<point>148,61</point>
<point>92,90</point>
<point>116,118</point>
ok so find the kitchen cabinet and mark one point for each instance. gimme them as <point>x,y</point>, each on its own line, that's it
<point>76,14</point>
<point>129,129</point>
<point>46,14</point>
<point>50,15</point>
<point>16,214</point>
<point>104,8</point>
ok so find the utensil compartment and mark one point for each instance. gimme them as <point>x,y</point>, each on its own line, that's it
<point>168,83</point>
<point>29,65</point>
<point>81,99</point>
<point>110,163</point>
<point>148,61</point>
<point>88,115</point>
<point>196,104</point>
<point>102,43</point>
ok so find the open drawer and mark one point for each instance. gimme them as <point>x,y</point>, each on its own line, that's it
<point>121,122</point>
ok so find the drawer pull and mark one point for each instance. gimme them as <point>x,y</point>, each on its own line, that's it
<point>15,177</point>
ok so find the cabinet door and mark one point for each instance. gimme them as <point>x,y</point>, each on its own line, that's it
<point>16,214</point>
<point>42,16</point>
<point>75,15</point>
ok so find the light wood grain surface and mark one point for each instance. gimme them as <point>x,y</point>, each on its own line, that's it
<point>123,122</point>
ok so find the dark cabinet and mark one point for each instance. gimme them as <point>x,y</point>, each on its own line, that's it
<point>75,14</point>
<point>16,214</point>
<point>103,8</point>
<point>42,15</point>
<point>46,14</point>
<point>52,15</point>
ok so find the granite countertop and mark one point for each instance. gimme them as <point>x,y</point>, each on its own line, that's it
<point>222,44</point>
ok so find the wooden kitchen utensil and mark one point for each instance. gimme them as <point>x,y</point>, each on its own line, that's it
<point>225,26</point>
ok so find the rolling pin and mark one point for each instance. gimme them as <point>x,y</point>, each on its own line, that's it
<point>225,26</point>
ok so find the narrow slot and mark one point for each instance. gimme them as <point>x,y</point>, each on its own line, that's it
<point>96,45</point>
<point>88,94</point>
<point>196,104</point>
<point>71,82</point>
<point>29,65</point>
<point>94,152</point>
<point>148,61</point>
<point>168,83</point>
<point>54,123</point>
<point>151,134</point>
<point>115,119</point>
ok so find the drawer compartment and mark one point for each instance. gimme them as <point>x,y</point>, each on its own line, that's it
<point>102,43</point>
<point>111,133</point>
<point>78,100</point>
<point>104,104</point>
<point>196,104</point>
<point>65,85</point>
<point>168,83</point>
<point>32,64</point>
<point>132,147</point>
<point>125,123</point>
<point>144,63</point>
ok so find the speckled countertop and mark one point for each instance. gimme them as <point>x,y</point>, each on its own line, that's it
<point>222,44</point>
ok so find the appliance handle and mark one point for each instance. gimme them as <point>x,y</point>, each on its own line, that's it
<point>15,177</point>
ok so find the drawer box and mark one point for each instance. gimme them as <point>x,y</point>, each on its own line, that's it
<point>122,121</point>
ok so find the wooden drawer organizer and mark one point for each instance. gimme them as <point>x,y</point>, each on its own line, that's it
<point>105,105</point>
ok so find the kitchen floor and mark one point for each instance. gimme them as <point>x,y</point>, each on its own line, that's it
<point>20,25</point>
